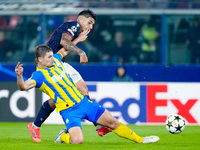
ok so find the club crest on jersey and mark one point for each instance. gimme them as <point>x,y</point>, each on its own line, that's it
<point>74,28</point>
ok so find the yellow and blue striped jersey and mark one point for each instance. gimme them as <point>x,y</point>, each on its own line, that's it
<point>56,83</point>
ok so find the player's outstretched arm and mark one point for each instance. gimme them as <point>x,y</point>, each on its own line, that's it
<point>23,86</point>
<point>70,46</point>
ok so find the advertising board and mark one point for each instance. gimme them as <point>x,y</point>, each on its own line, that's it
<point>129,102</point>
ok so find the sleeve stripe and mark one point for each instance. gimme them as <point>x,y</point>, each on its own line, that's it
<point>72,36</point>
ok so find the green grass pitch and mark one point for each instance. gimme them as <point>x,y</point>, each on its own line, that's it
<point>16,136</point>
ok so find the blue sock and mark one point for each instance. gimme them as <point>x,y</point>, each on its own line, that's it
<point>43,114</point>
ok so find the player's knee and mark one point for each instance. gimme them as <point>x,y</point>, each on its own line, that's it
<point>76,140</point>
<point>113,123</point>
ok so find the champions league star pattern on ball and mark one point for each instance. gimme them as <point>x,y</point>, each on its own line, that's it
<point>175,124</point>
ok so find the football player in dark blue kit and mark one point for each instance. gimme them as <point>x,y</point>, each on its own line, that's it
<point>67,36</point>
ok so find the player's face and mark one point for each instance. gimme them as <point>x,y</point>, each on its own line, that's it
<point>47,60</point>
<point>87,23</point>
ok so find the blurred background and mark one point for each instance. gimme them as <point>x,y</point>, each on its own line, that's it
<point>141,34</point>
<point>153,40</point>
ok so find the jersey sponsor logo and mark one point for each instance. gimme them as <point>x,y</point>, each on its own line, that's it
<point>55,79</point>
<point>58,78</point>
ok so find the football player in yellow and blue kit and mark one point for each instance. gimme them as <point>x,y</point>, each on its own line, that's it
<point>52,79</point>
<point>68,35</point>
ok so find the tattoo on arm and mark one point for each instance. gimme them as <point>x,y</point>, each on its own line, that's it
<point>68,45</point>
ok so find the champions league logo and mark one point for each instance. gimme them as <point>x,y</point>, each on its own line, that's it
<point>74,28</point>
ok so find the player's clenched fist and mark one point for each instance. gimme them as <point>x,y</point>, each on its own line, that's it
<point>83,58</point>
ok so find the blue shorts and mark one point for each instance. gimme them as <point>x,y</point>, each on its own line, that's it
<point>86,109</point>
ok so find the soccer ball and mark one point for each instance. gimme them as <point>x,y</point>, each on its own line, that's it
<point>175,123</point>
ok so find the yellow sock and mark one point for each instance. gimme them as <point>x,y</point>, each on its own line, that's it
<point>126,132</point>
<point>65,138</point>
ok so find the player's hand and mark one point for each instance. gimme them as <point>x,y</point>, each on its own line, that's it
<point>83,35</point>
<point>19,69</point>
<point>83,58</point>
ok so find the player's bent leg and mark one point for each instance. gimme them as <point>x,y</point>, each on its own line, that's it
<point>45,110</point>
<point>106,119</point>
<point>122,130</point>
<point>75,136</point>
<point>118,128</point>
<point>126,132</point>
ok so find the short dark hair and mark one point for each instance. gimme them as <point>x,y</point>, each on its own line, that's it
<point>41,50</point>
<point>87,13</point>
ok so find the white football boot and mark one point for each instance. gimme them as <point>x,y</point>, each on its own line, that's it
<point>150,139</point>
<point>57,139</point>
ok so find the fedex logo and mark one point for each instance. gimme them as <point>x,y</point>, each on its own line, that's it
<point>124,101</point>
<point>184,109</point>
<point>151,103</point>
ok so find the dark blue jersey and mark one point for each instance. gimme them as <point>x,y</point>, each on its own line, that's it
<point>72,28</point>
